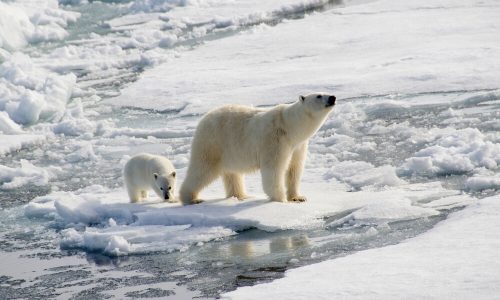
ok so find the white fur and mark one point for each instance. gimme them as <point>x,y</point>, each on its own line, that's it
<point>233,140</point>
<point>144,172</point>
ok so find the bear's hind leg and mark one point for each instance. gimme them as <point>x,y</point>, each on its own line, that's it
<point>234,185</point>
<point>196,180</point>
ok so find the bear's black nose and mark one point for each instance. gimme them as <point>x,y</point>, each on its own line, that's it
<point>331,100</point>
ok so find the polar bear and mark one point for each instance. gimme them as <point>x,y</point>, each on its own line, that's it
<point>233,140</point>
<point>146,171</point>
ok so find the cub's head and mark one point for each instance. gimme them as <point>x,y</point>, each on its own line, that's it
<point>164,185</point>
<point>318,102</point>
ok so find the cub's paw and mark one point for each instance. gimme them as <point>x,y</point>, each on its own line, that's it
<point>297,199</point>
<point>173,200</point>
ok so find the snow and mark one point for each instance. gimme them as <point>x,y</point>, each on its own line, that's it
<point>11,143</point>
<point>360,174</point>
<point>30,21</point>
<point>27,173</point>
<point>484,180</point>
<point>29,93</point>
<point>461,151</point>
<point>456,259</point>
<point>7,125</point>
<point>108,219</point>
<point>268,65</point>
<point>418,101</point>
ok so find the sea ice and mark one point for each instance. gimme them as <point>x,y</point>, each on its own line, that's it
<point>460,152</point>
<point>27,173</point>
<point>456,259</point>
<point>159,226</point>
<point>24,21</point>
<point>485,180</point>
<point>30,94</point>
<point>269,65</point>
<point>11,143</point>
<point>360,174</point>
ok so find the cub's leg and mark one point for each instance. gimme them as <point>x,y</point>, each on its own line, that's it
<point>234,185</point>
<point>144,194</point>
<point>294,173</point>
<point>134,194</point>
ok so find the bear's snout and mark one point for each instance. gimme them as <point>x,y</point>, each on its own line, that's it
<point>331,100</point>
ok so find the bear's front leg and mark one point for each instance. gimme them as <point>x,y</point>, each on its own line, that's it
<point>273,170</point>
<point>273,183</point>
<point>294,173</point>
<point>234,185</point>
<point>134,194</point>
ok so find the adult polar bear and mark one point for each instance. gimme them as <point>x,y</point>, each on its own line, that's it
<point>233,140</point>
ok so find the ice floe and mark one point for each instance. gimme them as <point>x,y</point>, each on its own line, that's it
<point>268,65</point>
<point>101,219</point>
<point>457,258</point>
<point>17,142</point>
<point>26,173</point>
<point>30,94</point>
<point>459,152</point>
<point>25,21</point>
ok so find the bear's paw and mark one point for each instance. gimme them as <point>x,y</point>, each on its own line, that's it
<point>297,199</point>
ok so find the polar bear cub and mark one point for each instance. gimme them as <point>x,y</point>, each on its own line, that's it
<point>233,140</point>
<point>144,172</point>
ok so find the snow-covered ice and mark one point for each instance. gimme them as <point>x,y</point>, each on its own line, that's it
<point>11,143</point>
<point>94,207</point>
<point>269,65</point>
<point>26,173</point>
<point>414,138</point>
<point>456,259</point>
<point>28,21</point>
<point>459,152</point>
<point>29,94</point>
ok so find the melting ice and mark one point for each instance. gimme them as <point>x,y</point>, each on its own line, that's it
<point>413,140</point>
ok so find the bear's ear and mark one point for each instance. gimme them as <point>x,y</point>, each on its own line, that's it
<point>155,175</point>
<point>302,98</point>
<point>173,174</point>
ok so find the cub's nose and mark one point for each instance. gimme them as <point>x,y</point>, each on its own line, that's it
<point>331,100</point>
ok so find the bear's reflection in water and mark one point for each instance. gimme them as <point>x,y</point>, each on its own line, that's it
<point>251,249</point>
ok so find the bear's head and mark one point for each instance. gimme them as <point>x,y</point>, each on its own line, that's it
<point>318,103</point>
<point>164,185</point>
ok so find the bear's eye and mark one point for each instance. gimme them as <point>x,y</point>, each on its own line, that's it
<point>161,189</point>
<point>318,97</point>
<point>169,188</point>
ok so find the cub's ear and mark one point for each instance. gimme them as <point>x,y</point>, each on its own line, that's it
<point>155,175</point>
<point>173,174</point>
<point>302,98</point>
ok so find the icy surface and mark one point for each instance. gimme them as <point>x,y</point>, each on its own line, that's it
<point>269,65</point>
<point>26,173</point>
<point>457,258</point>
<point>28,21</point>
<point>29,93</point>
<point>116,227</point>
<point>414,136</point>
<point>12,143</point>
<point>459,152</point>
